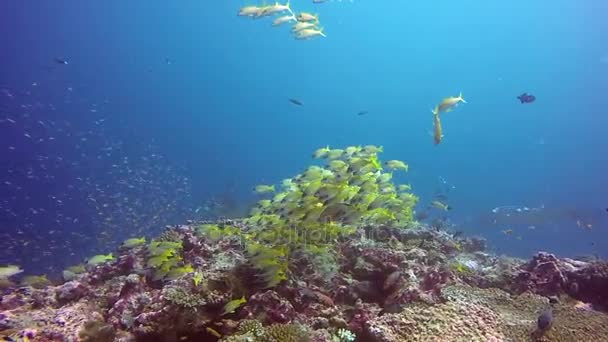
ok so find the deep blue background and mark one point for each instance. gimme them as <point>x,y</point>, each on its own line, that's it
<point>210,90</point>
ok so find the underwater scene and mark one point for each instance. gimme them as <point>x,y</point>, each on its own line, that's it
<point>303,171</point>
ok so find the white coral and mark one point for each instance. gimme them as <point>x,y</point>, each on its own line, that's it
<point>346,335</point>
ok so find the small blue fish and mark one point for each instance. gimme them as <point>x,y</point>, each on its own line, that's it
<point>296,102</point>
<point>60,61</point>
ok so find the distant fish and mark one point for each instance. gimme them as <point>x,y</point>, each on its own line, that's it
<point>296,102</point>
<point>440,205</point>
<point>363,112</point>
<point>60,61</point>
<point>544,322</point>
<point>526,98</point>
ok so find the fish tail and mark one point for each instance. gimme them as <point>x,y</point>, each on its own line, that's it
<point>461,98</point>
<point>288,5</point>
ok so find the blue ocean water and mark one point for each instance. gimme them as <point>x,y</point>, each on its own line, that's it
<point>168,111</point>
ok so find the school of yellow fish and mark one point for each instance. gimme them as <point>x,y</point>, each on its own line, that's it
<point>351,188</point>
<point>305,25</point>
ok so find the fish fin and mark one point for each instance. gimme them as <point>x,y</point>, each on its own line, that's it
<point>288,5</point>
<point>461,98</point>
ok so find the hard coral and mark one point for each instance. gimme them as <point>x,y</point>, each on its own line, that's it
<point>184,297</point>
<point>542,275</point>
<point>269,307</point>
<point>97,331</point>
<point>253,331</point>
<point>547,275</point>
<point>445,322</point>
<point>70,291</point>
<point>285,333</point>
<point>590,284</point>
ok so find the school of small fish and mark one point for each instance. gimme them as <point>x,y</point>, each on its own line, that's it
<point>114,190</point>
<point>305,25</point>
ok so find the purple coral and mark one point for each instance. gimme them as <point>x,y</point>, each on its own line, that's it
<point>542,275</point>
<point>269,307</point>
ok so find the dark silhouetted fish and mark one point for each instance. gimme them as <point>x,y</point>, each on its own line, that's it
<point>362,112</point>
<point>544,322</point>
<point>296,102</point>
<point>526,98</point>
<point>60,61</point>
<point>545,319</point>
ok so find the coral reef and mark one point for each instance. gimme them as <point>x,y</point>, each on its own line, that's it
<point>373,275</point>
<point>548,275</point>
<point>471,314</point>
<point>387,285</point>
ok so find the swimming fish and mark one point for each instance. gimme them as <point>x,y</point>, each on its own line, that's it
<point>321,152</point>
<point>251,11</point>
<point>371,149</point>
<point>299,26</point>
<point>234,304</point>
<point>363,112</point>
<point>440,205</point>
<point>133,242</point>
<point>276,8</point>
<point>307,17</point>
<point>396,165</point>
<point>296,102</point>
<point>309,33</point>
<point>100,259</point>
<point>284,19</point>
<point>9,271</point>
<point>263,189</point>
<point>526,98</point>
<point>448,104</point>
<point>60,61</point>
<point>438,133</point>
